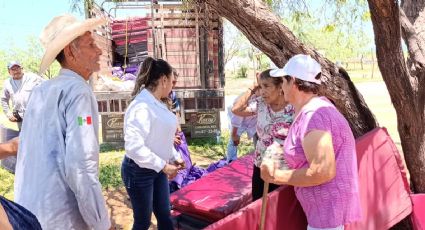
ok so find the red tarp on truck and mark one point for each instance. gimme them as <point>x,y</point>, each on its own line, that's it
<point>217,194</point>
<point>384,193</point>
<point>384,190</point>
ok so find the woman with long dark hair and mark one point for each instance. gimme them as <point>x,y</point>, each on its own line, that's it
<point>150,159</point>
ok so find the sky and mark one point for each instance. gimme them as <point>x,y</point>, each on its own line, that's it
<point>20,19</point>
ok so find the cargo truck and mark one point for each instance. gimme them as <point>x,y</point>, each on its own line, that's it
<point>189,37</point>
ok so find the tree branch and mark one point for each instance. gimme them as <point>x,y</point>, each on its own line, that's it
<point>412,18</point>
<point>266,32</point>
<point>412,9</point>
<point>386,26</point>
<point>414,45</point>
<point>231,52</point>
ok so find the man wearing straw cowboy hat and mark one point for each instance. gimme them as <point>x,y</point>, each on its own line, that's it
<point>58,158</point>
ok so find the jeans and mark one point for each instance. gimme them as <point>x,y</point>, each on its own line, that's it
<point>232,151</point>
<point>148,191</point>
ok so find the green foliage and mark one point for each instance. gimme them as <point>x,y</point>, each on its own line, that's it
<point>366,16</point>
<point>329,28</point>
<point>80,5</point>
<point>242,72</point>
<point>209,148</point>
<point>330,39</point>
<point>108,147</point>
<point>110,176</point>
<point>235,43</point>
<point>263,62</point>
<point>269,2</point>
<point>335,28</point>
<point>6,183</point>
<point>29,58</point>
<point>110,169</point>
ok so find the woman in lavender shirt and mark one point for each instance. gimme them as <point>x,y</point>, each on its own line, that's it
<point>319,150</point>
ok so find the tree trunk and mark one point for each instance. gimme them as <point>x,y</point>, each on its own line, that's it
<point>265,31</point>
<point>405,83</point>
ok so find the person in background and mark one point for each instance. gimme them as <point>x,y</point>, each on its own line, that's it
<point>274,116</point>
<point>175,102</point>
<point>150,157</point>
<point>239,125</point>
<point>319,150</point>
<point>180,143</point>
<point>57,170</point>
<point>17,89</point>
<point>13,215</point>
<point>174,106</point>
<point>9,148</point>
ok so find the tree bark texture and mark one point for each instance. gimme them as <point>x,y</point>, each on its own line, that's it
<point>265,31</point>
<point>405,79</point>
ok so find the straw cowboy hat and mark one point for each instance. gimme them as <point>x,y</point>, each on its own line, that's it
<point>61,31</point>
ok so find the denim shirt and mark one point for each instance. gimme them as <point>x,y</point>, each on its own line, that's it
<point>57,171</point>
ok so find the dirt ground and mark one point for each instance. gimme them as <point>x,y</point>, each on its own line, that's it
<point>119,206</point>
<point>375,95</point>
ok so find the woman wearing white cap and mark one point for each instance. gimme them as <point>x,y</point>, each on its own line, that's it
<point>319,150</point>
<point>274,116</point>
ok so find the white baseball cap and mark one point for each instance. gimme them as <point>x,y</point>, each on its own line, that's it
<point>12,64</point>
<point>300,66</point>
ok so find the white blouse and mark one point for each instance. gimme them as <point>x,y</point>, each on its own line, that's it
<point>149,131</point>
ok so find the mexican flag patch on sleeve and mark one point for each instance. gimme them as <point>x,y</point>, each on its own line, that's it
<point>84,120</point>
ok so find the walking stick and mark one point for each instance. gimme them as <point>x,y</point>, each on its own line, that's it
<point>264,205</point>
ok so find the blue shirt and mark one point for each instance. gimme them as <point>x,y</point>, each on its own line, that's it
<point>175,102</point>
<point>58,158</point>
